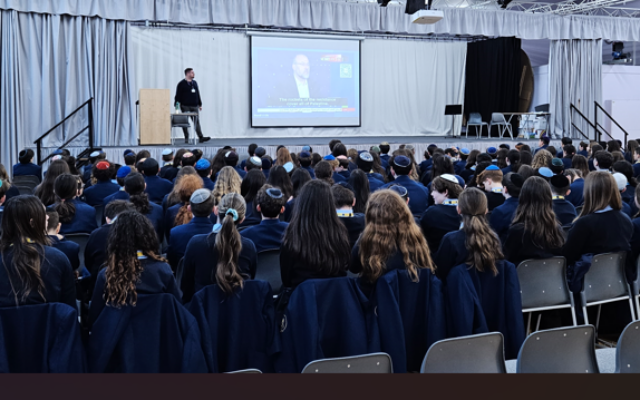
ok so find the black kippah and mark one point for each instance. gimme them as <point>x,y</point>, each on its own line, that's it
<point>517,180</point>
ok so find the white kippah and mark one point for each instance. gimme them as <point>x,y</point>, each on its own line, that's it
<point>450,178</point>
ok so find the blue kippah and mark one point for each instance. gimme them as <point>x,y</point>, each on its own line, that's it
<point>402,161</point>
<point>274,193</point>
<point>305,154</point>
<point>492,168</point>
<point>546,172</point>
<point>123,172</point>
<point>491,150</point>
<point>465,151</point>
<point>330,157</point>
<point>202,164</point>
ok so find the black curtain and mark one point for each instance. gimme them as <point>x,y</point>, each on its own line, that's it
<point>493,78</point>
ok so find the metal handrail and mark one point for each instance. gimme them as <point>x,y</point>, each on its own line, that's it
<point>38,142</point>
<point>584,117</point>
<point>626,134</point>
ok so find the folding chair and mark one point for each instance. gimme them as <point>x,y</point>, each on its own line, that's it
<point>628,349</point>
<point>376,363</point>
<point>543,286</point>
<point>26,184</point>
<point>181,121</point>
<point>560,350</point>
<point>268,269</point>
<point>475,119</point>
<point>81,239</point>
<point>635,288</point>
<point>475,354</point>
<point>500,121</point>
<point>605,282</point>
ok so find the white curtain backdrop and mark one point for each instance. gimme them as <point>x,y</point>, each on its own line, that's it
<point>405,83</point>
<point>341,15</point>
<point>50,65</point>
<point>575,76</point>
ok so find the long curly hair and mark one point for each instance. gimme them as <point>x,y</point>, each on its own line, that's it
<point>228,243</point>
<point>130,233</point>
<point>535,212</point>
<point>174,197</point>
<point>188,185</point>
<point>542,159</point>
<point>390,227</point>
<point>228,182</point>
<point>481,242</point>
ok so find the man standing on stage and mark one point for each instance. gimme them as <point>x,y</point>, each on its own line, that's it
<point>188,96</point>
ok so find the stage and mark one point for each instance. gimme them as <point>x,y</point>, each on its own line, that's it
<point>319,145</point>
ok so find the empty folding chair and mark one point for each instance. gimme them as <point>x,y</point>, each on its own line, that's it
<point>376,363</point>
<point>268,268</point>
<point>475,119</point>
<point>475,354</point>
<point>180,121</point>
<point>543,286</point>
<point>560,350</point>
<point>605,282</point>
<point>500,121</point>
<point>81,239</point>
<point>628,349</point>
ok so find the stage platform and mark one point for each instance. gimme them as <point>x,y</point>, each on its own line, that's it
<point>319,145</point>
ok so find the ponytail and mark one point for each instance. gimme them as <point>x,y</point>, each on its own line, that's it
<point>66,211</point>
<point>184,215</point>
<point>228,244</point>
<point>141,203</point>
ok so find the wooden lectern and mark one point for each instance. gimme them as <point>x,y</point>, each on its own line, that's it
<point>155,116</point>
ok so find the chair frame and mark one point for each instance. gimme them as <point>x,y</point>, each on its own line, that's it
<point>481,125</point>
<point>599,303</point>
<point>182,125</point>
<point>506,124</point>
<point>309,368</point>
<point>565,286</point>
<point>465,339</point>
<point>634,325</point>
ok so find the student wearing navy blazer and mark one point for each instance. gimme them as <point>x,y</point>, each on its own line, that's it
<point>75,216</point>
<point>70,249</point>
<point>365,163</point>
<point>442,217</point>
<point>565,211</point>
<point>26,167</point>
<point>502,216</point>
<point>103,171</point>
<point>576,197</point>
<point>401,166</point>
<point>270,232</point>
<point>157,187</point>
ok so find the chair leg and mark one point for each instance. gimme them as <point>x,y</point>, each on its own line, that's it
<point>529,324</point>
<point>573,316</point>
<point>637,297</point>
<point>538,324</point>
<point>598,317</point>
<point>585,315</point>
<point>631,308</point>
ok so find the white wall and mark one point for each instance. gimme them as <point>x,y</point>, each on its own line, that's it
<point>621,96</point>
<point>540,86</point>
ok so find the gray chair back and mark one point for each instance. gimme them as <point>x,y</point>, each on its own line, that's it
<point>376,363</point>
<point>475,118</point>
<point>628,350</point>
<point>29,181</point>
<point>497,118</point>
<point>560,350</point>
<point>81,239</point>
<point>635,288</point>
<point>246,371</point>
<point>179,121</point>
<point>268,268</point>
<point>606,278</point>
<point>479,354</point>
<point>543,284</point>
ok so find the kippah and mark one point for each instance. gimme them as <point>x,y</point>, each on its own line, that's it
<point>56,157</point>
<point>266,163</point>
<point>187,154</point>
<point>401,190</point>
<point>432,145</point>
<point>202,164</point>
<point>384,144</point>
<point>365,156</point>
<point>506,146</point>
<point>129,151</point>
<point>492,168</point>
<point>123,172</point>
<point>546,172</point>
<point>402,161</point>
<point>559,181</point>
<point>374,149</point>
<point>305,154</point>
<point>557,162</point>
<point>274,193</point>
<point>491,150</point>
<point>256,161</point>
<point>306,148</point>
<point>517,180</point>
<point>260,151</point>
<point>230,154</point>
<point>103,165</point>
<point>465,151</point>
<point>167,152</point>
<point>621,180</point>
<point>200,196</point>
<point>57,152</point>
<point>330,157</point>
<point>450,178</point>
<point>94,154</point>
<point>288,166</point>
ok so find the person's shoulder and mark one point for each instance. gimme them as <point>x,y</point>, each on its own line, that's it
<point>453,236</point>
<point>248,244</point>
<point>69,244</point>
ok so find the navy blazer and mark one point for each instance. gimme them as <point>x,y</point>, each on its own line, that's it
<point>355,225</point>
<point>168,172</point>
<point>418,194</point>
<point>626,208</point>
<point>459,166</point>
<point>86,173</point>
<point>252,217</point>
<point>636,169</point>
<point>28,170</point>
<point>57,276</point>
<point>208,183</point>
<point>568,162</point>
<point>506,170</point>
<point>84,221</point>
<point>480,302</point>
<point>326,318</point>
<point>411,316</point>
<point>565,211</point>
<point>628,194</point>
<point>452,252</point>
<point>288,210</point>
<point>170,219</point>
<point>339,177</point>
<point>201,259</point>
<point>384,160</point>
<point>95,253</point>
<point>311,172</point>
<point>181,235</point>
<point>96,194</point>
<point>119,195</point>
<point>436,222</point>
<point>41,338</point>
<point>157,188</point>
<point>158,335</point>
<point>374,183</point>
<point>576,197</point>
<point>267,235</point>
<point>237,330</point>
<point>70,249</point>
<point>632,256</point>
<point>540,148</point>
<point>502,216</point>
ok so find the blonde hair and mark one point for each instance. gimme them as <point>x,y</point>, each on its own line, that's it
<point>228,182</point>
<point>600,191</point>
<point>283,156</point>
<point>390,227</point>
<point>542,159</point>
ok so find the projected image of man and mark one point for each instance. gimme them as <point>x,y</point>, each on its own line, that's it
<point>302,84</point>
<point>301,70</point>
